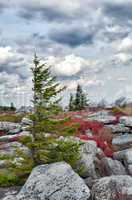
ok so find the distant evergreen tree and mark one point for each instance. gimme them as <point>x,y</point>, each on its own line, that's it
<point>12,107</point>
<point>80,101</point>
<point>71,103</point>
<point>84,101</point>
<point>7,108</point>
<point>78,98</point>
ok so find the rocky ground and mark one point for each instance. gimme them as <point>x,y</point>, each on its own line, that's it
<point>8,191</point>
<point>107,176</point>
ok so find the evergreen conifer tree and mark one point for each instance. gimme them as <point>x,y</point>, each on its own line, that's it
<point>81,101</point>
<point>12,107</point>
<point>78,98</point>
<point>71,103</point>
<point>45,90</point>
<point>45,101</point>
<point>44,149</point>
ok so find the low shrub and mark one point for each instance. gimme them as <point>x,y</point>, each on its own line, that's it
<point>7,178</point>
<point>105,134</point>
<point>61,150</point>
<point>17,168</point>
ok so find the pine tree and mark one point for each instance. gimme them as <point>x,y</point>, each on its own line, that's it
<point>44,149</point>
<point>71,103</point>
<point>84,101</point>
<point>45,101</point>
<point>12,107</point>
<point>81,101</point>
<point>78,98</point>
<point>45,90</point>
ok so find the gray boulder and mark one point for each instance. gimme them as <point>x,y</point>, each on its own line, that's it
<point>112,167</point>
<point>88,157</point>
<point>102,116</point>
<point>123,141</point>
<point>10,127</point>
<point>119,128</point>
<point>9,149</point>
<point>126,120</point>
<point>26,121</point>
<point>54,182</point>
<point>89,147</point>
<point>7,193</point>
<point>112,187</point>
<point>14,131</point>
<point>8,138</point>
<point>119,155</point>
<point>126,157</point>
<point>10,197</point>
<point>130,169</point>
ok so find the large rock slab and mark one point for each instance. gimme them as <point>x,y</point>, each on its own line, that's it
<point>9,149</point>
<point>10,138</point>
<point>10,127</point>
<point>14,131</point>
<point>112,167</point>
<point>126,157</point>
<point>123,141</point>
<point>113,187</point>
<point>119,128</point>
<point>54,182</point>
<point>88,156</point>
<point>119,155</point>
<point>89,147</point>
<point>26,121</point>
<point>130,169</point>
<point>102,116</point>
<point>126,120</point>
<point>8,191</point>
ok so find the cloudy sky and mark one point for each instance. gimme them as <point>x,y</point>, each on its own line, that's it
<point>86,41</point>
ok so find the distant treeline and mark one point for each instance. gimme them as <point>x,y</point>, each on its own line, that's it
<point>8,108</point>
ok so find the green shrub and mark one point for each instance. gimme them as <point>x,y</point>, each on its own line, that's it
<point>68,151</point>
<point>7,178</point>
<point>25,140</point>
<point>17,168</point>
<point>60,127</point>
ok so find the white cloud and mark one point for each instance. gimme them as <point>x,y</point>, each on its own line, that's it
<point>121,79</point>
<point>126,45</point>
<point>122,57</point>
<point>84,82</point>
<point>5,54</point>
<point>70,65</point>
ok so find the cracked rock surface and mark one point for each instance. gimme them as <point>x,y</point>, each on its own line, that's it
<point>54,182</point>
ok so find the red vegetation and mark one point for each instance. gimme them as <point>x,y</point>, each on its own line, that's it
<point>101,135</point>
<point>100,143</point>
<point>2,133</point>
<point>85,125</point>
<point>15,138</point>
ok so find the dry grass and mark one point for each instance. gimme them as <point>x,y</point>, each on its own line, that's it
<point>11,118</point>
